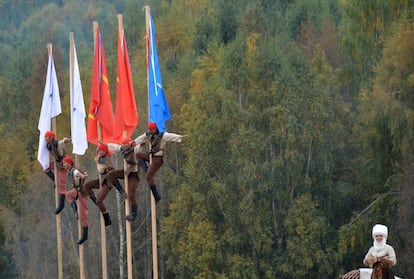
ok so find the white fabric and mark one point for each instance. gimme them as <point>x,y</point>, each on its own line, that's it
<point>379,247</point>
<point>365,273</point>
<point>50,108</point>
<point>77,109</point>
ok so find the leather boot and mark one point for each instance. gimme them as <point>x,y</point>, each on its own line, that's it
<point>93,198</point>
<point>119,188</point>
<point>131,217</point>
<point>155,193</point>
<point>61,204</point>
<point>84,235</point>
<point>143,165</point>
<point>51,175</point>
<point>75,209</point>
<point>107,219</point>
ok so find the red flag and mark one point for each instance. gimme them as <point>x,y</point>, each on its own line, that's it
<point>100,106</point>
<point>126,117</point>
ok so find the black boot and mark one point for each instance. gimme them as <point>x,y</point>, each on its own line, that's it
<point>131,217</point>
<point>61,204</point>
<point>154,191</point>
<point>84,235</point>
<point>143,165</point>
<point>51,175</point>
<point>107,219</point>
<point>93,198</point>
<point>75,209</point>
<point>119,188</point>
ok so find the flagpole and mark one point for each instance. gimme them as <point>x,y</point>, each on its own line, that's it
<point>81,249</point>
<point>153,207</point>
<point>127,201</point>
<point>58,216</point>
<point>103,230</point>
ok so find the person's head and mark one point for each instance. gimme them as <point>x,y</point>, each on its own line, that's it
<point>379,234</point>
<point>152,127</point>
<point>67,162</point>
<point>49,136</point>
<point>127,143</point>
<point>103,150</point>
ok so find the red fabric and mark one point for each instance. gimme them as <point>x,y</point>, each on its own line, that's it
<point>152,126</point>
<point>100,106</point>
<point>126,117</point>
<point>68,160</point>
<point>50,134</point>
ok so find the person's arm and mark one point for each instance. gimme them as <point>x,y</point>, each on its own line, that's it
<point>141,139</point>
<point>172,137</point>
<point>390,258</point>
<point>114,147</point>
<point>369,260</point>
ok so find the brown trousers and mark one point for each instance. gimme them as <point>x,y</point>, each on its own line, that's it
<point>156,163</point>
<point>133,181</point>
<point>61,177</point>
<point>83,204</point>
<point>94,184</point>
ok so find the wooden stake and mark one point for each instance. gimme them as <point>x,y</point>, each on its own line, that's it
<point>153,207</point>
<point>103,230</point>
<point>81,248</point>
<point>58,216</point>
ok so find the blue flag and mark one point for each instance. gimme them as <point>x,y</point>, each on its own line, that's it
<point>158,110</point>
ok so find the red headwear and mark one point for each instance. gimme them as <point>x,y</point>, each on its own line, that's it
<point>50,134</point>
<point>68,160</point>
<point>152,126</point>
<point>103,147</point>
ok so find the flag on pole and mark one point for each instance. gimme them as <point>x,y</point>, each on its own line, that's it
<point>157,103</point>
<point>126,116</point>
<point>77,107</point>
<point>50,108</point>
<point>100,106</point>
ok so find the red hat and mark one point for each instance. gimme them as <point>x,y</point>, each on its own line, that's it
<point>103,147</point>
<point>152,126</point>
<point>68,160</point>
<point>50,134</point>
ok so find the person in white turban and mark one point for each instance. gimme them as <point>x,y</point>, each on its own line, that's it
<point>381,252</point>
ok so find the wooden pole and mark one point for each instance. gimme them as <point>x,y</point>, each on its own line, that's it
<point>58,216</point>
<point>153,207</point>
<point>127,201</point>
<point>81,248</point>
<point>103,230</point>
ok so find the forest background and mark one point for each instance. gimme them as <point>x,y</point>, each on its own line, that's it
<point>299,116</point>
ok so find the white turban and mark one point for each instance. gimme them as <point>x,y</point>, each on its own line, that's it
<point>380,229</point>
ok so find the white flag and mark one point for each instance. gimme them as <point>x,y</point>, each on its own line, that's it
<point>50,108</point>
<point>77,108</point>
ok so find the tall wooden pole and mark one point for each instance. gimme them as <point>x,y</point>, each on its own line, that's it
<point>81,248</point>
<point>103,230</point>
<point>153,207</point>
<point>127,201</point>
<point>58,216</point>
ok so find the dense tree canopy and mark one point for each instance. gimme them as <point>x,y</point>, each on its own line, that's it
<point>299,116</point>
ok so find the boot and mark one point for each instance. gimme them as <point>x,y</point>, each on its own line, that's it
<point>61,204</point>
<point>154,191</point>
<point>51,175</point>
<point>131,217</point>
<point>107,219</point>
<point>93,198</point>
<point>84,235</point>
<point>75,209</point>
<point>119,188</point>
<point>143,165</point>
